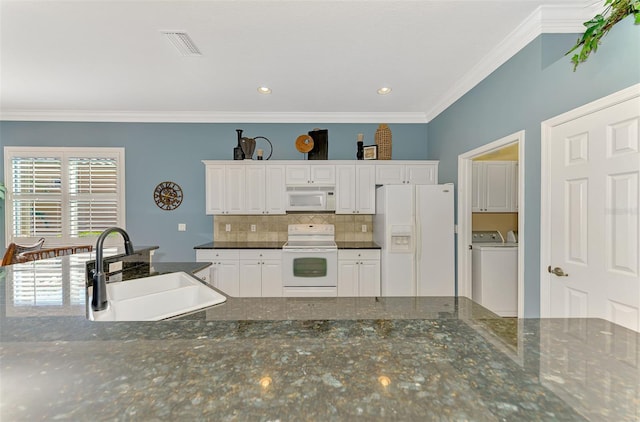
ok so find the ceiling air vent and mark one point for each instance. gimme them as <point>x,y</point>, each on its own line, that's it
<point>182,42</point>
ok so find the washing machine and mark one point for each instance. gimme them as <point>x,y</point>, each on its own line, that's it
<point>495,273</point>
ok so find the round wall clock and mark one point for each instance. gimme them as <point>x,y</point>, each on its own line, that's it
<point>168,195</point>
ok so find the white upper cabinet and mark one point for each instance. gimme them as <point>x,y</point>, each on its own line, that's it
<point>494,186</point>
<point>225,186</point>
<point>265,189</point>
<point>214,189</point>
<point>411,172</point>
<point>355,189</point>
<point>275,190</point>
<point>244,188</point>
<point>255,187</point>
<point>305,174</point>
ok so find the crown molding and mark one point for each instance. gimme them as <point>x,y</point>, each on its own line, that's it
<point>545,19</point>
<point>209,117</point>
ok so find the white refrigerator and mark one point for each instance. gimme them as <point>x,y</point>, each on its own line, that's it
<point>414,226</point>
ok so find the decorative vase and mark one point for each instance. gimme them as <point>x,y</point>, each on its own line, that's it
<point>248,146</point>
<point>383,140</point>
<point>238,154</point>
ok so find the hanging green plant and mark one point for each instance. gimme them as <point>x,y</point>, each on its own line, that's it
<point>2,191</point>
<point>614,12</point>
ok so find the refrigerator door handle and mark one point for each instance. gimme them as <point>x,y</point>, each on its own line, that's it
<point>417,236</point>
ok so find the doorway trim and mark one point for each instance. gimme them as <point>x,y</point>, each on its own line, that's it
<point>465,190</point>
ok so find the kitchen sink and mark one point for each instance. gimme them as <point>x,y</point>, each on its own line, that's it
<point>155,298</point>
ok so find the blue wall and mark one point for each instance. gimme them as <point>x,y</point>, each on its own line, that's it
<point>536,84</point>
<point>155,152</point>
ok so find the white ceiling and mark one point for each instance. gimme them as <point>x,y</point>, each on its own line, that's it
<point>323,60</point>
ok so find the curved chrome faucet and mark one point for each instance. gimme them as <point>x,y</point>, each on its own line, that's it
<point>99,299</point>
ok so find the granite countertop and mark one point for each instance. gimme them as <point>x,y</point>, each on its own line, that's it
<point>311,358</point>
<point>241,245</point>
<point>278,245</point>
<point>357,245</point>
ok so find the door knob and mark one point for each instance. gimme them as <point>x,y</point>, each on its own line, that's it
<point>557,271</point>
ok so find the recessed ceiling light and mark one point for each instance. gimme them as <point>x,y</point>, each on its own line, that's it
<point>384,90</point>
<point>264,90</point>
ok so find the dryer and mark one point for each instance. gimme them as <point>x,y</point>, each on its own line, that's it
<point>495,273</point>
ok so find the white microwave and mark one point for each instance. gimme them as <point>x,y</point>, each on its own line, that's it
<point>311,198</point>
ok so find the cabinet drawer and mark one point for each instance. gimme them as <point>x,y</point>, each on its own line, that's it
<point>358,254</point>
<point>203,255</point>
<point>260,254</point>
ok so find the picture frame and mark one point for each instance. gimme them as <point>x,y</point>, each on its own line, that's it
<point>371,152</point>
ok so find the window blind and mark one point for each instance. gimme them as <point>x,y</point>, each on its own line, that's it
<point>93,195</point>
<point>37,196</point>
<point>66,195</point>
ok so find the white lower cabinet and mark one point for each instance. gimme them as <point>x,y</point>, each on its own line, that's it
<point>224,270</point>
<point>204,275</point>
<point>358,272</point>
<point>260,273</point>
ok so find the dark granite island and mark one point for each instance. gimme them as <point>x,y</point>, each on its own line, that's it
<point>318,359</point>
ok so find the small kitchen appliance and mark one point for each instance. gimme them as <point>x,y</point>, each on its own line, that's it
<point>310,261</point>
<point>310,198</point>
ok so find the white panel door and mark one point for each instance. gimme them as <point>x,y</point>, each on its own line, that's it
<point>594,164</point>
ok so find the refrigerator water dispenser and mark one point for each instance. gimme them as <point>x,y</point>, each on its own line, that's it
<point>401,239</point>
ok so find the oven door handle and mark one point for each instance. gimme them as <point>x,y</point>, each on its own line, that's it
<point>310,250</point>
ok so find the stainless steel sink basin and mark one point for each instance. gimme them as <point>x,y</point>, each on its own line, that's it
<point>155,298</point>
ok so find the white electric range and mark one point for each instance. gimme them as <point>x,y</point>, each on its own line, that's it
<point>310,261</point>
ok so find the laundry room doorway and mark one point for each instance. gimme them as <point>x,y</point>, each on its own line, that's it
<point>490,202</point>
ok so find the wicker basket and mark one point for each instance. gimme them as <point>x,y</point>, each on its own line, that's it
<point>383,140</point>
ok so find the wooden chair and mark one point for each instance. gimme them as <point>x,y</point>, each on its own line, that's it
<point>53,252</point>
<point>13,250</point>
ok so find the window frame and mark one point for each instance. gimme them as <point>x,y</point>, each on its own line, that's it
<point>64,154</point>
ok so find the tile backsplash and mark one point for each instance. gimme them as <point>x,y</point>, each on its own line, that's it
<point>274,227</point>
